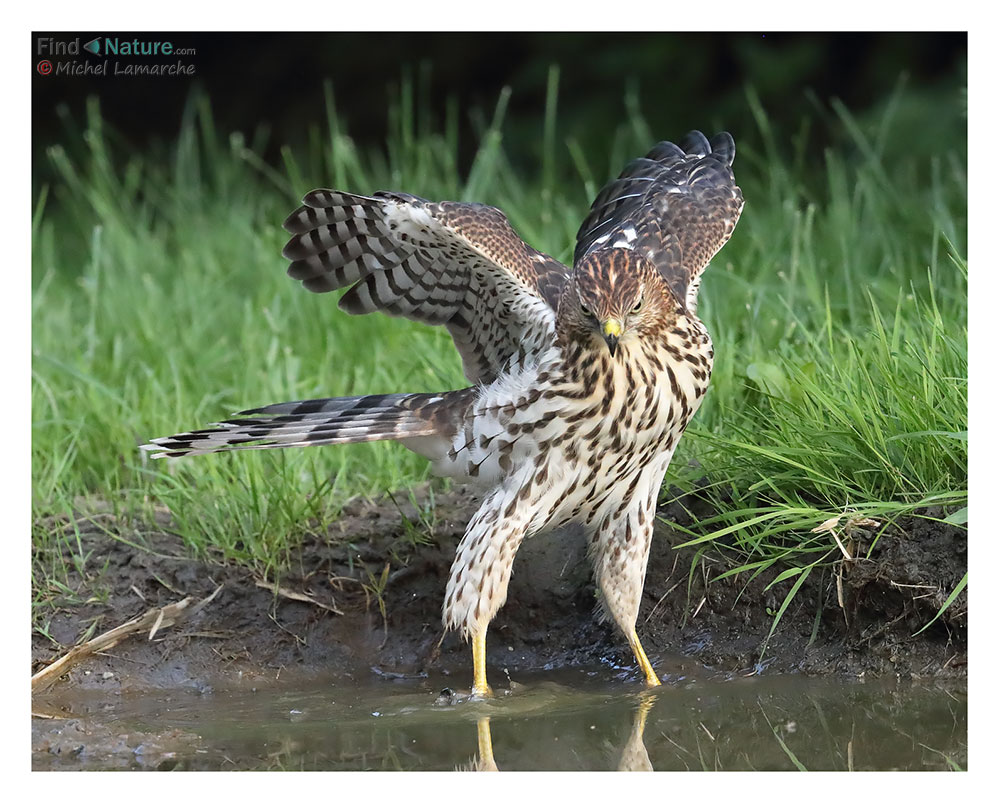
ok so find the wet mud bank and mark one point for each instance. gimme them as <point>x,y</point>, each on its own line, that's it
<point>364,601</point>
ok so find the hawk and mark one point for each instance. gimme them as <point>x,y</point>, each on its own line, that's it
<point>582,380</point>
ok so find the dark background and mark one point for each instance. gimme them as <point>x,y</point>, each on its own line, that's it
<point>681,81</point>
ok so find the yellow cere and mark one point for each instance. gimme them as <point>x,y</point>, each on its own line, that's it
<point>612,328</point>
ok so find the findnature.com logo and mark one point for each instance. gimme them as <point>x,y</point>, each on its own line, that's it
<point>109,49</point>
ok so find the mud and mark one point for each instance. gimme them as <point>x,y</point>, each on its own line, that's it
<point>387,623</point>
<point>376,583</point>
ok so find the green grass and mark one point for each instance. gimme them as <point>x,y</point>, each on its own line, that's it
<point>160,303</point>
<point>842,386</point>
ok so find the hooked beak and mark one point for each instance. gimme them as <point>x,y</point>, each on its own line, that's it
<point>612,330</point>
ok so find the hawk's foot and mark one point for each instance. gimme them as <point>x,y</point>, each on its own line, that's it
<point>651,678</point>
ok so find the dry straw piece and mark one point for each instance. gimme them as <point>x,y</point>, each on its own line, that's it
<point>152,621</point>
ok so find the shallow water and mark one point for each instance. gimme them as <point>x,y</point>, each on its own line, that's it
<point>566,720</point>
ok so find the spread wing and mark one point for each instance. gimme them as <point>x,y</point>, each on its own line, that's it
<point>676,206</point>
<point>446,264</point>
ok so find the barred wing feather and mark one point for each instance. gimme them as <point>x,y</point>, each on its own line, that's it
<point>449,264</point>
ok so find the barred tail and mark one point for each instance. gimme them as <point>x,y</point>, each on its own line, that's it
<point>353,419</point>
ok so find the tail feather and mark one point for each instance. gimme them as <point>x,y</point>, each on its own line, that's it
<point>352,419</point>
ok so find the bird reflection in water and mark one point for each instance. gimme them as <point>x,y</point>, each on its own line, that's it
<point>634,756</point>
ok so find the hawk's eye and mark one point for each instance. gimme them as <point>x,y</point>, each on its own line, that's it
<point>638,306</point>
<point>584,309</point>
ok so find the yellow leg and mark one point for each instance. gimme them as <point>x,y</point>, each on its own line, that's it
<point>486,761</point>
<point>651,678</point>
<point>643,712</point>
<point>480,688</point>
<point>635,757</point>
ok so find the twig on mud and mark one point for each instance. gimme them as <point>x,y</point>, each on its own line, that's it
<point>198,606</point>
<point>152,620</point>
<point>670,589</point>
<point>165,584</point>
<point>208,634</point>
<point>297,596</point>
<point>45,715</point>
<point>662,599</point>
<point>933,589</point>
<point>299,639</point>
<point>337,580</point>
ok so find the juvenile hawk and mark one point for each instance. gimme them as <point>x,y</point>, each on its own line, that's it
<point>582,380</point>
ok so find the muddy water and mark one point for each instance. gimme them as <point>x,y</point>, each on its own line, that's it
<point>567,720</point>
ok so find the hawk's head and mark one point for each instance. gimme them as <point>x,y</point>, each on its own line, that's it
<point>614,295</point>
